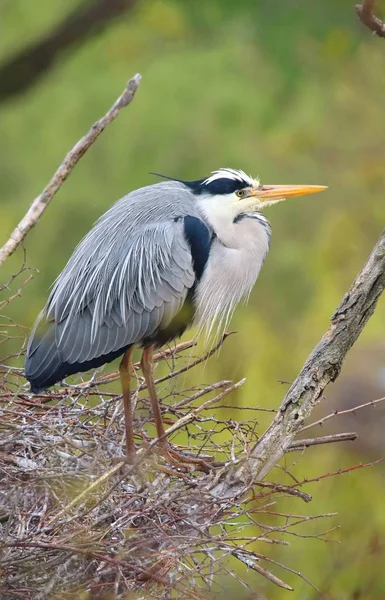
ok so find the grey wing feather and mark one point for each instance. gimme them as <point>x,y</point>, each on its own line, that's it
<point>123,294</point>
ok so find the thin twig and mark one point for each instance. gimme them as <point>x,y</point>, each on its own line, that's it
<point>277,487</point>
<point>16,294</point>
<point>339,472</point>
<point>365,12</point>
<point>338,413</point>
<point>40,203</point>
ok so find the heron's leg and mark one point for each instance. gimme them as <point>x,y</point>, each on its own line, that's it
<point>147,368</point>
<point>125,370</point>
<point>168,451</point>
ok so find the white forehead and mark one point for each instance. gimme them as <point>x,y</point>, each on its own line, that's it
<point>234,175</point>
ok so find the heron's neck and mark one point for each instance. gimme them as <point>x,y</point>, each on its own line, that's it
<point>234,230</point>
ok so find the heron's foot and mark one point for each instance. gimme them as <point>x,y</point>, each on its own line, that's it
<point>181,461</point>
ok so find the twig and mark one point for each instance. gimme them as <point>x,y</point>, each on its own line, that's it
<point>40,203</point>
<point>337,413</point>
<point>277,487</point>
<point>325,439</point>
<point>192,364</point>
<point>16,294</point>
<point>365,12</point>
<point>250,561</point>
<point>340,472</point>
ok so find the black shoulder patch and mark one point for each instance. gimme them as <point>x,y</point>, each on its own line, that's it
<point>199,238</point>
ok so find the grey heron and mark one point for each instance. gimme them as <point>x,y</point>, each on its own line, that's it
<point>162,258</point>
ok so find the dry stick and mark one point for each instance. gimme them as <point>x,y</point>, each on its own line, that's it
<point>368,18</point>
<point>277,487</point>
<point>190,417</point>
<point>325,439</point>
<point>251,563</point>
<point>203,392</point>
<point>322,367</point>
<point>40,203</point>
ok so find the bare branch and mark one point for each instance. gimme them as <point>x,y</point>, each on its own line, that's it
<point>366,15</point>
<point>40,203</point>
<point>26,67</point>
<point>325,439</point>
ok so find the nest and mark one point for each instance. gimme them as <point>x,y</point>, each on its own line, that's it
<point>76,521</point>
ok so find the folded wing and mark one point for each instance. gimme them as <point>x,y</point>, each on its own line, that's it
<point>106,299</point>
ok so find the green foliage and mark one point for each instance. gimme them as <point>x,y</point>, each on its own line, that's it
<point>290,91</point>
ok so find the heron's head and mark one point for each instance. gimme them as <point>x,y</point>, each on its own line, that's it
<point>232,192</point>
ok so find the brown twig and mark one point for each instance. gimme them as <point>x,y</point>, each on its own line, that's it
<point>277,487</point>
<point>340,472</point>
<point>365,12</point>
<point>337,413</point>
<point>40,203</point>
<point>17,294</point>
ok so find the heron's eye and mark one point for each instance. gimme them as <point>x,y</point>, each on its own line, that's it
<point>240,193</point>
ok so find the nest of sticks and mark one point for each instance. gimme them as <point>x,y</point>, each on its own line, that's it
<point>76,521</point>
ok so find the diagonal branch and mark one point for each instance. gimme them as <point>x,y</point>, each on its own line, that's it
<point>322,367</point>
<point>28,65</point>
<point>40,203</point>
<point>366,15</point>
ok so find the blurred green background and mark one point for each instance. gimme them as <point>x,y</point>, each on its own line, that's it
<point>292,91</point>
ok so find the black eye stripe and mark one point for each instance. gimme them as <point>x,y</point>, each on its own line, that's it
<point>225,186</point>
<point>218,186</point>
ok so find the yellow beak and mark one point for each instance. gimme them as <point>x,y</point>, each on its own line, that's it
<point>281,192</point>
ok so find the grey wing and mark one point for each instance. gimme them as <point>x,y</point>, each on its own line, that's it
<point>130,287</point>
